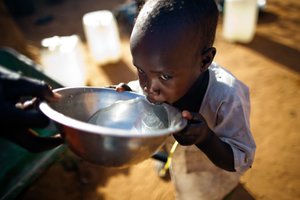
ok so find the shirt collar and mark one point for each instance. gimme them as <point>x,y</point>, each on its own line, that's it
<point>192,100</point>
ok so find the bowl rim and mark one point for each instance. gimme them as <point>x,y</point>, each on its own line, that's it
<point>95,129</point>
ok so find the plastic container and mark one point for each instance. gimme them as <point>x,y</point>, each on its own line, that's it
<point>239,20</point>
<point>63,60</point>
<point>102,34</point>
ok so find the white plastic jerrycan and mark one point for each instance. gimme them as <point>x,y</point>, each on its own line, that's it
<point>63,60</point>
<point>239,20</point>
<point>102,35</point>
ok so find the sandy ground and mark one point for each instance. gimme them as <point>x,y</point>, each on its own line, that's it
<point>269,65</point>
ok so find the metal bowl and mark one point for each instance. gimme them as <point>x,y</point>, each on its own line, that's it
<point>109,128</point>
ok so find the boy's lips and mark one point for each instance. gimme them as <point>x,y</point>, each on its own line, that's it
<point>152,100</point>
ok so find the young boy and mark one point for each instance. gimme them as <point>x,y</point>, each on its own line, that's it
<point>172,49</point>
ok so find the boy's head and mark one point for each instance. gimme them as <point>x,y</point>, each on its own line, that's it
<point>171,45</point>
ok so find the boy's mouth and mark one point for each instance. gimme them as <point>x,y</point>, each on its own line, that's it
<point>153,101</point>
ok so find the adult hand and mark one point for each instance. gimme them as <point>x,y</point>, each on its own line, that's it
<point>18,114</point>
<point>196,131</point>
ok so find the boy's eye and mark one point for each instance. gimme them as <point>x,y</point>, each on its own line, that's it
<point>140,70</point>
<point>165,77</point>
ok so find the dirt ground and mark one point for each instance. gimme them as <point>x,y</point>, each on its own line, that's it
<point>269,65</point>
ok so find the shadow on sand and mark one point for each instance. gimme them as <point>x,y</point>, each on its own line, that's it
<point>119,72</point>
<point>276,51</point>
<point>239,193</point>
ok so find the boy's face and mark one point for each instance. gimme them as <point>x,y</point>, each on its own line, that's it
<point>167,62</point>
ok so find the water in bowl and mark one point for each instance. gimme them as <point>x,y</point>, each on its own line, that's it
<point>136,115</point>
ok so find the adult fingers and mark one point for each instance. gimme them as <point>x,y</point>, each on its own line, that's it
<point>33,118</point>
<point>29,140</point>
<point>25,86</point>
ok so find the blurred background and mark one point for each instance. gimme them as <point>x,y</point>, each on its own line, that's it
<point>262,49</point>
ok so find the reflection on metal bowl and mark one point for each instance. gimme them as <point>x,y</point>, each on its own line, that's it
<point>109,128</point>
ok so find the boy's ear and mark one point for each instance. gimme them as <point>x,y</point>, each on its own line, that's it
<point>207,58</point>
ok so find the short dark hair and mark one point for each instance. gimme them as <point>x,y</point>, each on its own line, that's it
<point>201,14</point>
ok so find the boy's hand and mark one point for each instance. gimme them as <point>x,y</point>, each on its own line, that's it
<point>121,87</point>
<point>195,132</point>
<point>18,114</point>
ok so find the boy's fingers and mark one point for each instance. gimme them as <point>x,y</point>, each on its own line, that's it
<point>192,117</point>
<point>187,115</point>
<point>121,87</point>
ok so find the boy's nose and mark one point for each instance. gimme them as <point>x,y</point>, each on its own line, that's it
<point>151,88</point>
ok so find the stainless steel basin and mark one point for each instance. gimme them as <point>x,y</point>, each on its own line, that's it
<point>109,128</point>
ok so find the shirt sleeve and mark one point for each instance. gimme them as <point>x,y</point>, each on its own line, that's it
<point>233,127</point>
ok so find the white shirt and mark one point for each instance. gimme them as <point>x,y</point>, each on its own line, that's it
<point>226,109</point>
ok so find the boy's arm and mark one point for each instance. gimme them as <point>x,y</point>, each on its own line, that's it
<point>197,132</point>
<point>219,152</point>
